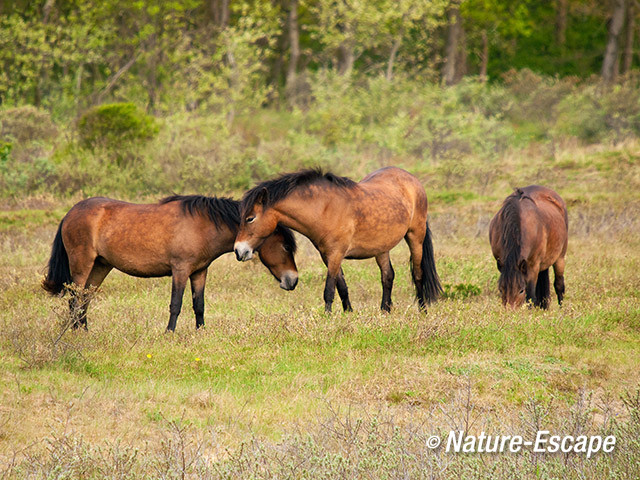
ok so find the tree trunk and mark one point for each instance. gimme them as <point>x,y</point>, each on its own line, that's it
<point>484,58</point>
<point>346,58</point>
<point>294,45</point>
<point>611,52</point>
<point>219,12</point>
<point>46,10</point>
<point>461,54</point>
<point>628,46</point>
<point>37,89</point>
<point>451,48</point>
<point>561,22</point>
<point>392,56</point>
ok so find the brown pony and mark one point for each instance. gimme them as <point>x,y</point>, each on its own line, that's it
<point>345,219</point>
<point>528,235</point>
<point>178,237</point>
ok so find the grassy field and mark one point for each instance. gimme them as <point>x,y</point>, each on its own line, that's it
<point>275,388</point>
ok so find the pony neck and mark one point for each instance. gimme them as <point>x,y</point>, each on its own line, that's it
<point>301,212</point>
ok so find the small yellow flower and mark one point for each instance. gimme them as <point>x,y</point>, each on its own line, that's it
<point>197,359</point>
<point>148,355</point>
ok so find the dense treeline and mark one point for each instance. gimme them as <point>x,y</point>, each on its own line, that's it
<point>66,55</point>
<point>138,98</point>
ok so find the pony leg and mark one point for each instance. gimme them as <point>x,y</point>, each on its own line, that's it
<point>81,264</point>
<point>340,282</point>
<point>334,271</point>
<point>95,279</point>
<point>558,281</point>
<point>415,247</point>
<point>198,281</point>
<point>343,291</point>
<point>178,284</point>
<point>386,277</point>
<point>543,292</point>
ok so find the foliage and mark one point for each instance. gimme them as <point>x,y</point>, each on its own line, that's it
<point>460,290</point>
<point>115,125</point>
<point>26,124</point>
<point>599,114</point>
<point>351,124</point>
<point>173,56</point>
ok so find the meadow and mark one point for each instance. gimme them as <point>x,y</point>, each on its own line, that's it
<point>275,388</point>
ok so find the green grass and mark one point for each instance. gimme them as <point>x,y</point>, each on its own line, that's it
<point>273,377</point>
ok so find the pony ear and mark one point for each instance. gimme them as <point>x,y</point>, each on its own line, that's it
<point>522,266</point>
<point>263,196</point>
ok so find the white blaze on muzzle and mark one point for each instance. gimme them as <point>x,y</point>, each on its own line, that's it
<point>289,280</point>
<point>243,251</point>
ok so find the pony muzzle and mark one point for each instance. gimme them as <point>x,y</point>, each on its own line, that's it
<point>289,280</point>
<point>243,251</point>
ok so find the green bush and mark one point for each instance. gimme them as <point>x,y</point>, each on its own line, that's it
<point>621,105</point>
<point>26,124</point>
<point>460,290</point>
<point>115,125</point>
<point>581,115</point>
<point>599,113</point>
<point>17,178</point>
<point>534,102</point>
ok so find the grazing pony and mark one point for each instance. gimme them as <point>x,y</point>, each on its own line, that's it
<point>528,235</point>
<point>178,237</point>
<point>345,219</point>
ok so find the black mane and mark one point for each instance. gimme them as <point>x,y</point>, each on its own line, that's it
<point>272,191</point>
<point>510,237</point>
<point>289,238</point>
<point>222,210</point>
<point>219,210</point>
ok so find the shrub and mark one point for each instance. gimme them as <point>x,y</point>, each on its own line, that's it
<point>460,290</point>
<point>26,124</point>
<point>581,115</point>
<point>115,125</point>
<point>535,101</point>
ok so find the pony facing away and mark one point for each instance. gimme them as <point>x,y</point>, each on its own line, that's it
<point>178,237</point>
<point>345,219</point>
<point>528,235</point>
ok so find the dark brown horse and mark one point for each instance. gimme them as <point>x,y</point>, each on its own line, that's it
<point>345,219</point>
<point>528,235</point>
<point>178,237</point>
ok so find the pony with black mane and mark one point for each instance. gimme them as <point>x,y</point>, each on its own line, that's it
<point>179,237</point>
<point>346,219</point>
<point>528,235</point>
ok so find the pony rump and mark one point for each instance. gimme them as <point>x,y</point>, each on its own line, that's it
<point>219,210</point>
<point>510,239</point>
<point>58,272</point>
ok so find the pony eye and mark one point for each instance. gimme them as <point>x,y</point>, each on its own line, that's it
<point>286,248</point>
<point>521,291</point>
<point>249,219</point>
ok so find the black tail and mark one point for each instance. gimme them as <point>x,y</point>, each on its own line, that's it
<point>58,273</point>
<point>543,290</point>
<point>428,289</point>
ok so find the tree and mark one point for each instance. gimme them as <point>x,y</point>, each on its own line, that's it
<point>561,22</point>
<point>493,23</point>
<point>451,73</point>
<point>629,37</point>
<point>616,24</point>
<point>294,44</point>
<point>218,11</point>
